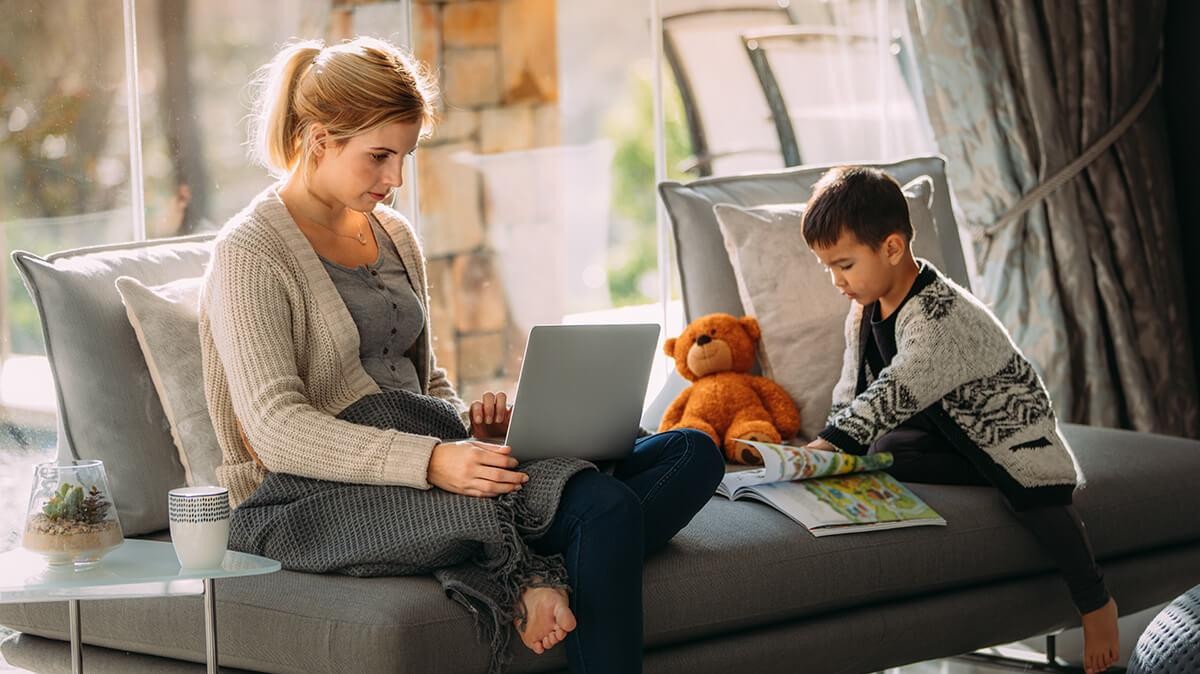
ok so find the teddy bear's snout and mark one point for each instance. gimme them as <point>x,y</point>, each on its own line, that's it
<point>704,339</point>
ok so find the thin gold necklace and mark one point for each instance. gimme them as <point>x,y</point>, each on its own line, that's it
<point>360,237</point>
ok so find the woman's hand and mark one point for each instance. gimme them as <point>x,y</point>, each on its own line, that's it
<point>474,469</point>
<point>489,417</point>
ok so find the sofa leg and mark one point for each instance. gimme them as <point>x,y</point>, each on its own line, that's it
<point>1033,662</point>
<point>76,636</point>
<point>210,624</point>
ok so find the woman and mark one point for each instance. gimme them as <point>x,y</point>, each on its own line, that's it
<point>322,384</point>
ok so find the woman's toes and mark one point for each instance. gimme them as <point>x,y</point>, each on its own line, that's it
<point>564,619</point>
<point>548,618</point>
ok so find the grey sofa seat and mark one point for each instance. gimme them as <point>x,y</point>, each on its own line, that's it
<point>737,567</point>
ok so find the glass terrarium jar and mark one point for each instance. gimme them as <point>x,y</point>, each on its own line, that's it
<point>71,518</point>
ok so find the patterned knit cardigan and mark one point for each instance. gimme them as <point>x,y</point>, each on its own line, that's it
<point>954,358</point>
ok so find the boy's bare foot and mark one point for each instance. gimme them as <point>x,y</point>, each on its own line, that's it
<point>1101,642</point>
<point>548,618</point>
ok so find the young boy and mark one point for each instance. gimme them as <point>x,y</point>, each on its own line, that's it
<point>931,376</point>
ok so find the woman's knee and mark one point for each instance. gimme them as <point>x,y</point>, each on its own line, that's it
<point>705,456</point>
<point>595,496</point>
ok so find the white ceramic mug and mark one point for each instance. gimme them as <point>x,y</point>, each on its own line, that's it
<point>199,525</point>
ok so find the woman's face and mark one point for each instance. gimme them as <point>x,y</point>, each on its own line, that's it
<point>363,171</point>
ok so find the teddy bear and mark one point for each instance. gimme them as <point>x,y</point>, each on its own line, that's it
<point>716,353</point>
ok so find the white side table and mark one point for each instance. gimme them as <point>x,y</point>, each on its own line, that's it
<point>137,569</point>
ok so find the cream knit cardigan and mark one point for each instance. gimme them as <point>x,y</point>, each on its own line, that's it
<point>281,356</point>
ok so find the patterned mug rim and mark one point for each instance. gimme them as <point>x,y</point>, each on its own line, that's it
<point>198,492</point>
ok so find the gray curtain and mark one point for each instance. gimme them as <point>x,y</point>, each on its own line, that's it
<point>1089,279</point>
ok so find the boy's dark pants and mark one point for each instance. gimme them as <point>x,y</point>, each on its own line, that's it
<point>927,456</point>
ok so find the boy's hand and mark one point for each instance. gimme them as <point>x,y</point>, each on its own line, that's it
<point>489,417</point>
<point>822,444</point>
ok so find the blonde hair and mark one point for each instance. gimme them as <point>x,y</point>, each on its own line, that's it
<point>350,88</point>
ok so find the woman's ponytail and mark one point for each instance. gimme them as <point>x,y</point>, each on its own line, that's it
<point>348,88</point>
<point>276,132</point>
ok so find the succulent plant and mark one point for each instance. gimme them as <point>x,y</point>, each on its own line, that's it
<point>70,504</point>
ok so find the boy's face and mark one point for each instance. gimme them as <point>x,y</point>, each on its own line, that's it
<point>862,273</point>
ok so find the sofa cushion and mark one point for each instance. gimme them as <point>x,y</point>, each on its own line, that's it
<point>108,408</point>
<point>705,274</point>
<point>801,314</point>
<point>166,320</point>
<point>735,566</point>
<point>921,628</point>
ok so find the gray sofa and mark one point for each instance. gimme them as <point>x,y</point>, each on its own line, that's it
<point>740,588</point>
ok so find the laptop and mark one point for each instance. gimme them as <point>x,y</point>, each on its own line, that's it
<point>581,391</point>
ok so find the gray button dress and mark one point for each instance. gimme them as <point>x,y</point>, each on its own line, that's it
<point>386,312</point>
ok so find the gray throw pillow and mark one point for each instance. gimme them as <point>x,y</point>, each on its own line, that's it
<point>705,275</point>
<point>166,323</point>
<point>801,314</point>
<point>107,406</point>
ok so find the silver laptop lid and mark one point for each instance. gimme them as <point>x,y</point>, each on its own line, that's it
<point>581,391</point>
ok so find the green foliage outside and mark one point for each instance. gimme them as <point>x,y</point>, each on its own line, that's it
<point>631,128</point>
<point>56,131</point>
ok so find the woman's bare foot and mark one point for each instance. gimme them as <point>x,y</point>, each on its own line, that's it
<point>548,618</point>
<point>1101,642</point>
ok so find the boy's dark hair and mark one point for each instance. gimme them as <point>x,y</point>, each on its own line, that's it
<point>860,200</point>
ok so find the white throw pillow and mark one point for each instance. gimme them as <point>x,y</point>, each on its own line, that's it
<point>801,314</point>
<point>165,319</point>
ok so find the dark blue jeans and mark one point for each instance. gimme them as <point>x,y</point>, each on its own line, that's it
<point>606,525</point>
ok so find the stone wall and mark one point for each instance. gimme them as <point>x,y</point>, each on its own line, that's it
<point>497,66</point>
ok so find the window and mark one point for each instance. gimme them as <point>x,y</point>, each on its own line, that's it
<point>195,58</point>
<point>537,193</point>
<point>64,175</point>
<point>801,82</point>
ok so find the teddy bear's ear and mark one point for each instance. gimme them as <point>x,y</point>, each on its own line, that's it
<point>669,347</point>
<point>750,325</point>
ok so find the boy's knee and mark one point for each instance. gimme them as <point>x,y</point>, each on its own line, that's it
<point>885,443</point>
<point>908,440</point>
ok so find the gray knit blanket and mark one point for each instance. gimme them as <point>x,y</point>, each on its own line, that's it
<point>475,547</point>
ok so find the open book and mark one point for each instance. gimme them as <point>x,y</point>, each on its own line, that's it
<point>828,492</point>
